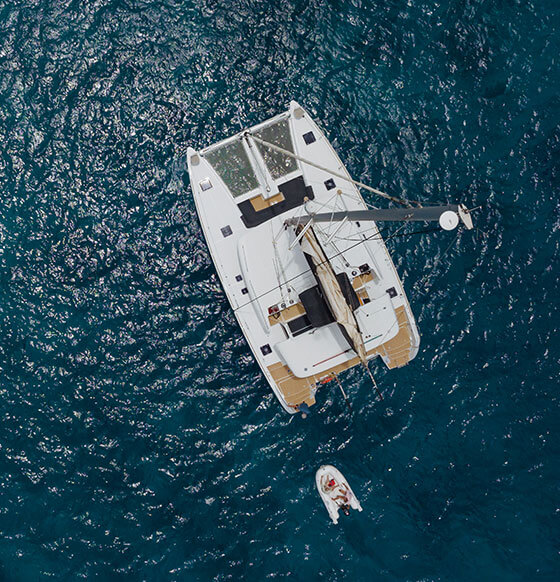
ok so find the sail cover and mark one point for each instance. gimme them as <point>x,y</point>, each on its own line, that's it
<point>333,293</point>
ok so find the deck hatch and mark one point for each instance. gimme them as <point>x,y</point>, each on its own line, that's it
<point>309,138</point>
<point>205,184</point>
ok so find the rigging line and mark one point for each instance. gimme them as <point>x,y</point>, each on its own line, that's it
<point>279,268</point>
<point>361,232</point>
<point>395,234</point>
<point>342,176</point>
<point>437,261</point>
<point>378,232</point>
<point>345,193</point>
<point>277,237</point>
<point>426,231</point>
<point>301,210</point>
<point>348,195</point>
<point>276,259</point>
<point>332,242</point>
<point>334,207</point>
<point>324,203</point>
<point>372,237</point>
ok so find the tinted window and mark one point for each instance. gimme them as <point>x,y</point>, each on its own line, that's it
<point>234,168</point>
<point>278,134</point>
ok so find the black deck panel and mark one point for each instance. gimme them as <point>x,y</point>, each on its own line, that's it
<point>294,192</point>
<point>348,291</point>
<point>316,307</point>
<point>299,325</point>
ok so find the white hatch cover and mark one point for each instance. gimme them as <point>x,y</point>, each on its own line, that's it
<point>377,321</point>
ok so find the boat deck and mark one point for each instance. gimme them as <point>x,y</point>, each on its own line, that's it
<point>396,352</point>
<point>245,195</point>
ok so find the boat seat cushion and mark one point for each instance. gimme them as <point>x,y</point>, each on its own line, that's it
<point>294,192</point>
<point>316,307</point>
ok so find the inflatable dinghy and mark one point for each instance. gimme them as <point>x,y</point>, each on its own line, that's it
<point>335,491</point>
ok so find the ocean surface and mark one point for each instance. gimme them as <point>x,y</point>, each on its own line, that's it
<point>138,439</point>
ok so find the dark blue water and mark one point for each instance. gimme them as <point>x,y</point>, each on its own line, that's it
<point>138,440</point>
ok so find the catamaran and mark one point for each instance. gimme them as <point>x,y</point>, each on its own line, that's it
<point>300,255</point>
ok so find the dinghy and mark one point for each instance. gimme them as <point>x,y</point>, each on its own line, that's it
<point>335,491</point>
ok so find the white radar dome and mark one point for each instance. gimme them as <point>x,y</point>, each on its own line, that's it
<point>449,220</point>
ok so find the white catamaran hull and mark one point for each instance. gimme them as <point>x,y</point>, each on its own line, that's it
<point>244,194</point>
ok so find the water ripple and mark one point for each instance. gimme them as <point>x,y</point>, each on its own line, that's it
<point>138,438</point>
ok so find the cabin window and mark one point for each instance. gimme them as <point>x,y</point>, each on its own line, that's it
<point>232,164</point>
<point>278,134</point>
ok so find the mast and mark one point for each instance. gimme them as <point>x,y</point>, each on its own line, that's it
<point>448,216</point>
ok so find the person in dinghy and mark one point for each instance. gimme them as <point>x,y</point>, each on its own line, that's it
<point>343,500</point>
<point>335,492</point>
<point>344,497</point>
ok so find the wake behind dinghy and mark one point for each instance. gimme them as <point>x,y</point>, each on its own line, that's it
<point>335,491</point>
